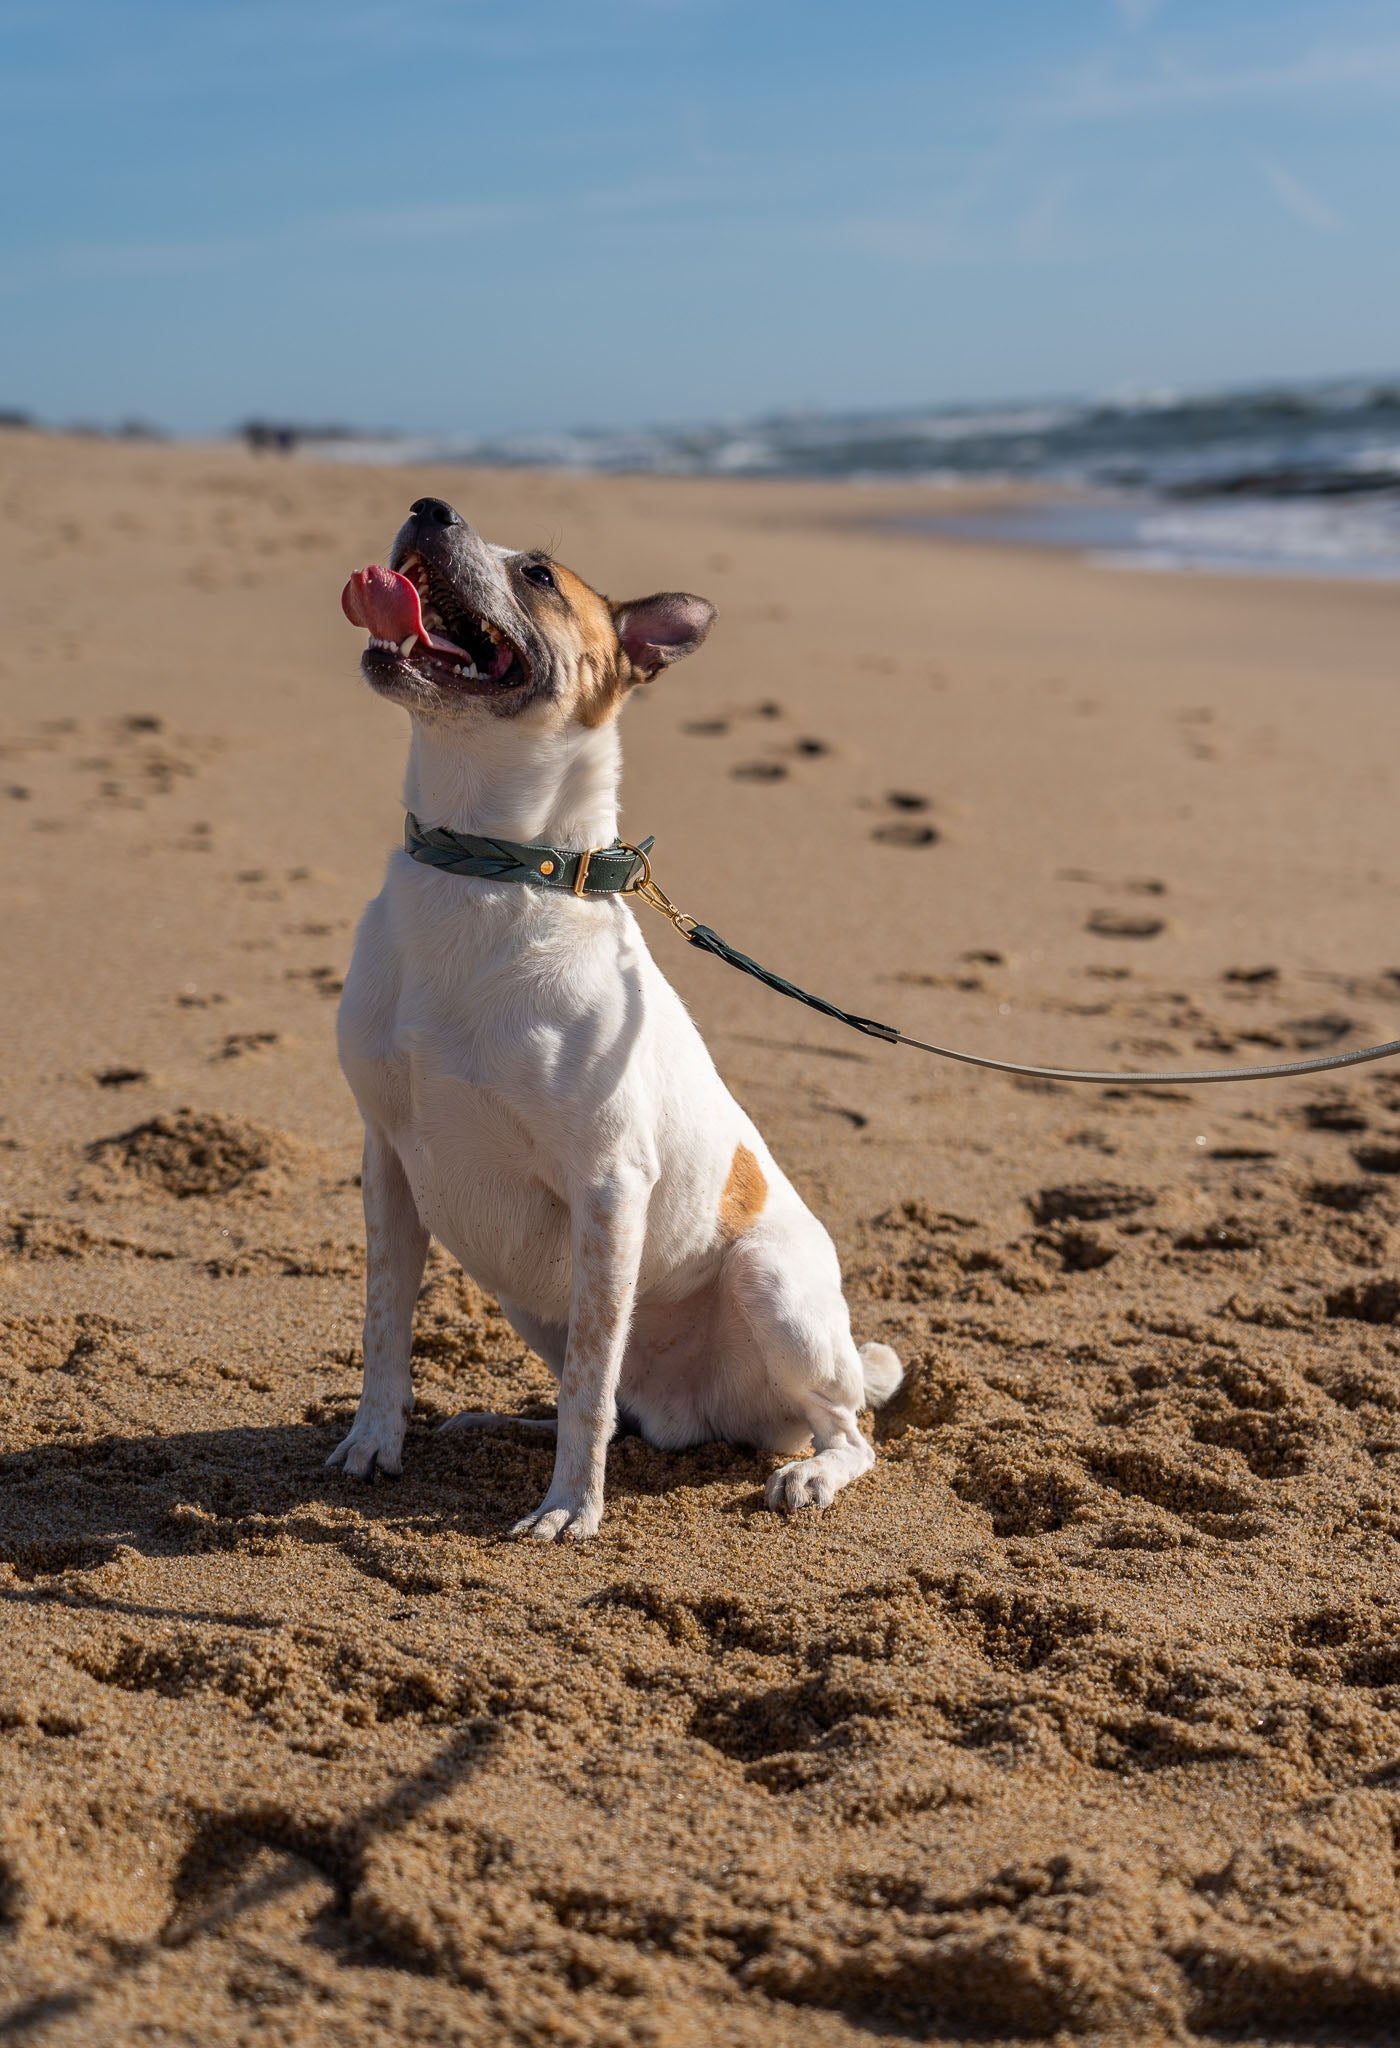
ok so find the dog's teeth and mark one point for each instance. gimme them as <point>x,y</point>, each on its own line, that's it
<point>407,646</point>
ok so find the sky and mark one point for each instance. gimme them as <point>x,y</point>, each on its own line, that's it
<point>471,217</point>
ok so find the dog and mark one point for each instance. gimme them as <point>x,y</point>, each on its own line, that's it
<point>535,1095</point>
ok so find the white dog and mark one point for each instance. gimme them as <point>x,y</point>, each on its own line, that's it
<point>533,1092</point>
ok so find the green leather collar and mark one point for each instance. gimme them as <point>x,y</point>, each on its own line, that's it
<point>599,871</point>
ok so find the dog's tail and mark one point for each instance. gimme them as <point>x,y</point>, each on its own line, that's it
<point>883,1374</point>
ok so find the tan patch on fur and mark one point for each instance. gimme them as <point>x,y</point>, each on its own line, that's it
<point>745,1193</point>
<point>600,669</point>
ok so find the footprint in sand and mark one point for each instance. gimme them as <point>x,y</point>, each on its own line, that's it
<point>1378,1158</point>
<point>1123,924</point>
<point>120,1077</point>
<point>759,771</point>
<point>239,1044</point>
<point>1090,1201</point>
<point>1367,1301</point>
<point>1316,1034</point>
<point>325,980</point>
<point>716,728</point>
<point>904,831</point>
<point>1347,1197</point>
<point>903,834</point>
<point>1336,1114</point>
<point>261,887</point>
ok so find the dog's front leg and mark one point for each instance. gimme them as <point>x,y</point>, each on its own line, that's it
<point>396,1245</point>
<point>609,1227</point>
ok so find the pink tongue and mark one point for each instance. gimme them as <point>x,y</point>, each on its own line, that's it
<point>384,603</point>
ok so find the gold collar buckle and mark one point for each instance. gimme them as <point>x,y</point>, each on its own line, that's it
<point>655,896</point>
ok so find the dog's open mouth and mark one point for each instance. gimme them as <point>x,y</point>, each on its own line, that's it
<point>412,618</point>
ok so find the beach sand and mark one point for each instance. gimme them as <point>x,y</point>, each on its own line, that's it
<point>1078,1716</point>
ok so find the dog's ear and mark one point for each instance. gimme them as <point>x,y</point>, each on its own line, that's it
<point>656,631</point>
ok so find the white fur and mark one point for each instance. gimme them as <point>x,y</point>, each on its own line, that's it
<point>536,1097</point>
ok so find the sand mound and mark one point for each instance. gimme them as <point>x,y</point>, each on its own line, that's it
<point>196,1152</point>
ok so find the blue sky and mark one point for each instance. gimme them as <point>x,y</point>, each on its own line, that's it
<point>468,216</point>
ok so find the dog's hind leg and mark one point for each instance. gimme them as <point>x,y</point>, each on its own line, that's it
<point>789,1293</point>
<point>839,1452</point>
<point>396,1245</point>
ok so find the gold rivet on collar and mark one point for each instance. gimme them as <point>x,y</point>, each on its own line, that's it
<point>546,867</point>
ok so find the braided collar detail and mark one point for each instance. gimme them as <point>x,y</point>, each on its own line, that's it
<point>596,871</point>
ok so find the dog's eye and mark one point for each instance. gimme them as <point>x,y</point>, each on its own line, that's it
<point>541,573</point>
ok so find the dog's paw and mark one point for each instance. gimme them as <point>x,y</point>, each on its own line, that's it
<point>560,1521</point>
<point>806,1483</point>
<point>373,1445</point>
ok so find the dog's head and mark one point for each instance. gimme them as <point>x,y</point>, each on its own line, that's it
<point>460,628</point>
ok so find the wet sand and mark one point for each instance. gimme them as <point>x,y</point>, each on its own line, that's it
<point>1080,1715</point>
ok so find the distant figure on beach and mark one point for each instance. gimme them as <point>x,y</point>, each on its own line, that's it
<point>264,438</point>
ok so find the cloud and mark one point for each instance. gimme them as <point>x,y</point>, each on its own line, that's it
<point>1137,13</point>
<point>1296,198</point>
<point>1097,91</point>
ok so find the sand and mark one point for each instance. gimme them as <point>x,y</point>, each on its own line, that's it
<point>1080,1715</point>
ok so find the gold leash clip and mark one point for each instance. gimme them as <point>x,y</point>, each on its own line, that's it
<point>655,896</point>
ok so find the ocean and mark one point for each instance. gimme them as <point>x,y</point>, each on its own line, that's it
<point>1285,480</point>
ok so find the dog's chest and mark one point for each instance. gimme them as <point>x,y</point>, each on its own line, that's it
<point>481,1181</point>
<point>486,1049</point>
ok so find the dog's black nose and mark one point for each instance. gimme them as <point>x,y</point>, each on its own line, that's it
<point>437,511</point>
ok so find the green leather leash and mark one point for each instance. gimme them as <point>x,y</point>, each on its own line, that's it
<point>623,870</point>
